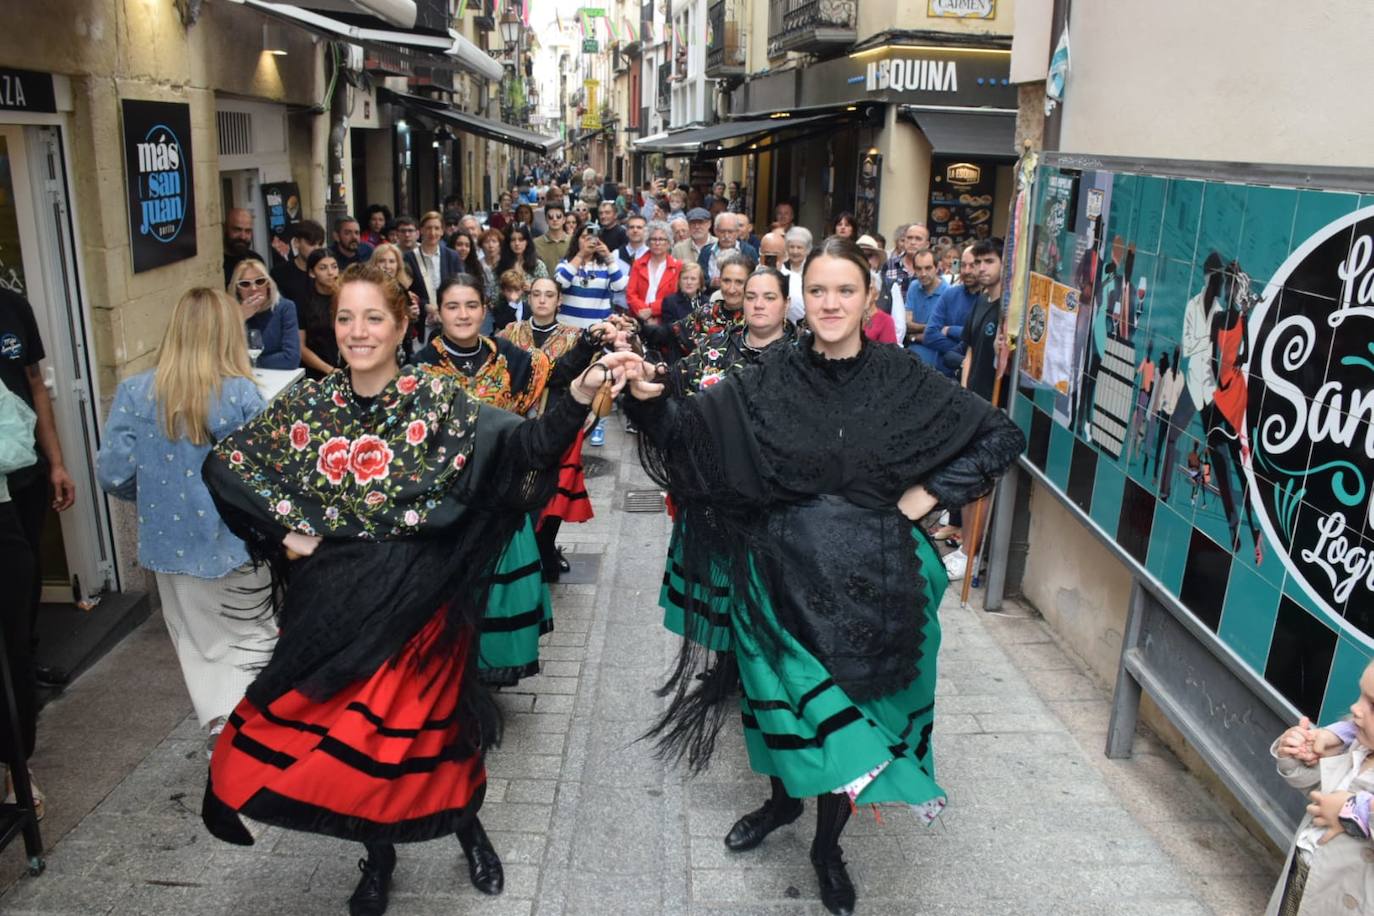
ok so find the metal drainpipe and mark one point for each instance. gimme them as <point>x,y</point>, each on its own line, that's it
<point>336,203</point>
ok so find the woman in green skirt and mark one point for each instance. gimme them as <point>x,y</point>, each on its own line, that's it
<point>765,327</point>
<point>497,372</point>
<point>799,481</point>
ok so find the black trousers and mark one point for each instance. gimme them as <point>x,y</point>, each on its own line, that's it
<point>18,563</point>
<point>31,503</point>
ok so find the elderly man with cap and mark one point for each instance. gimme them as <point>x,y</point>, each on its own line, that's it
<point>699,228</point>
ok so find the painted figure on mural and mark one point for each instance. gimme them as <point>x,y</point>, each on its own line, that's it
<point>1215,347</point>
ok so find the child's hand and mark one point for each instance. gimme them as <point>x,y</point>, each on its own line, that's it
<point>1326,811</point>
<point>1297,742</point>
<point>1325,742</point>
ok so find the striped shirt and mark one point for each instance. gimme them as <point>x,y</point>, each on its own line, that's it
<point>587,291</point>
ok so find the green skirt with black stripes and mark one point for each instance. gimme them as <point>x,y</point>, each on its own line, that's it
<point>708,621</point>
<point>802,728</point>
<point>518,613</point>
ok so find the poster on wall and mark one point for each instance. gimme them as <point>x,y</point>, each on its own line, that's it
<point>160,184</point>
<point>1214,413</point>
<point>11,250</point>
<point>961,194</point>
<point>866,192</point>
<point>283,202</point>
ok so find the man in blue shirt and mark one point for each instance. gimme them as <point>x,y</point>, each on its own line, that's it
<point>349,249</point>
<point>921,300</point>
<point>947,318</point>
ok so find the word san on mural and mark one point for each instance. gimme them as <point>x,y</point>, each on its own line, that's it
<point>161,192</point>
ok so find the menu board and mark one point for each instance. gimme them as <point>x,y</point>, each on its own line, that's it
<point>961,194</point>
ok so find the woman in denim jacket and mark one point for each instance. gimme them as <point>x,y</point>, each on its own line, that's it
<point>162,425</point>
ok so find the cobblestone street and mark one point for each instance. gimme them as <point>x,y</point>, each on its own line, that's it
<point>589,822</point>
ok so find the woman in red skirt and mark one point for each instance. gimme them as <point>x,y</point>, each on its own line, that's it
<point>382,500</point>
<point>571,350</point>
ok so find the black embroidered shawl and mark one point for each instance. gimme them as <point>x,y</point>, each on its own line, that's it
<point>788,475</point>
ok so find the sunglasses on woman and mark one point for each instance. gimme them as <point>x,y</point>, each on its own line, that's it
<point>249,284</point>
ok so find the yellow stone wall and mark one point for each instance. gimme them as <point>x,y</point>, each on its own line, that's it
<point>139,49</point>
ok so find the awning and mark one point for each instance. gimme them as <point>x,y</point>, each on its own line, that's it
<point>450,45</point>
<point>399,13</point>
<point>989,134</point>
<point>690,141</point>
<point>475,124</point>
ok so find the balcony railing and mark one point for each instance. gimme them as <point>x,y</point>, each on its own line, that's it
<point>724,39</point>
<point>811,25</point>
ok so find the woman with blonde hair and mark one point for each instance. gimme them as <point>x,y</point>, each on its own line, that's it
<point>265,310</point>
<point>393,263</point>
<point>161,426</point>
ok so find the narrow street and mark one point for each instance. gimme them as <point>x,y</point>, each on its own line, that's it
<point>588,821</point>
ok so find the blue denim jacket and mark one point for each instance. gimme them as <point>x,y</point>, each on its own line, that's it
<point>179,530</point>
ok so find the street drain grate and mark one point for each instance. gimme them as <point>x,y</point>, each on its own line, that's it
<point>643,501</point>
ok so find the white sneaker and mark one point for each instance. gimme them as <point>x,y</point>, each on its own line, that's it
<point>944,518</point>
<point>956,563</point>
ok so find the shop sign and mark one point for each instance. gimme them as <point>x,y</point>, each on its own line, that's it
<point>283,200</point>
<point>593,12</point>
<point>591,112</point>
<point>909,76</point>
<point>24,90</point>
<point>1309,409</point>
<point>962,9</point>
<point>963,174</point>
<point>160,186</point>
<point>589,46</point>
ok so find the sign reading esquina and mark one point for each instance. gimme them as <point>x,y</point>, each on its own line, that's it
<point>159,180</point>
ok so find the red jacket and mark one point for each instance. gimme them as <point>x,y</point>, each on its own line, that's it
<point>636,294</point>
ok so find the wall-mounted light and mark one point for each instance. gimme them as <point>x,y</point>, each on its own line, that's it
<point>274,38</point>
<point>511,27</point>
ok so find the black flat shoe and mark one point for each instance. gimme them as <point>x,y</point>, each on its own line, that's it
<point>370,896</point>
<point>484,865</point>
<point>50,676</point>
<point>563,564</point>
<point>750,830</point>
<point>837,891</point>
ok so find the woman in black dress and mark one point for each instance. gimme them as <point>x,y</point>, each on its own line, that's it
<point>799,481</point>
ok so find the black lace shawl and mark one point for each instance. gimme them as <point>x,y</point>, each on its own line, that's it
<point>788,474</point>
<point>386,565</point>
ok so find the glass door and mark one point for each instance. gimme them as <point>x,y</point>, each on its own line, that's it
<point>37,261</point>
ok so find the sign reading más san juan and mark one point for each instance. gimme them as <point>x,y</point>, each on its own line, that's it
<point>1310,417</point>
<point>160,184</point>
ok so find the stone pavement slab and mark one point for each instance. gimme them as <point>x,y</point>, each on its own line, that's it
<point>590,822</point>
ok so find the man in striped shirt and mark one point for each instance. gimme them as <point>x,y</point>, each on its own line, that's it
<point>589,279</point>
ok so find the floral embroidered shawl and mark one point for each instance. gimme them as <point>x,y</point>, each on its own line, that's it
<point>492,384</point>
<point>318,462</point>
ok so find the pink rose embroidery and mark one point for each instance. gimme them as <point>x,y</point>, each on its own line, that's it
<point>284,507</point>
<point>415,432</point>
<point>333,461</point>
<point>412,518</point>
<point>375,498</point>
<point>339,400</point>
<point>370,459</point>
<point>407,383</point>
<point>459,461</point>
<point>300,435</point>
<point>236,457</point>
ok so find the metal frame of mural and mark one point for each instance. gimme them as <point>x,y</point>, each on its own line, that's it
<point>1196,382</point>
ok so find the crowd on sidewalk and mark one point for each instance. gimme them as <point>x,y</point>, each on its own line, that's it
<point>348,570</point>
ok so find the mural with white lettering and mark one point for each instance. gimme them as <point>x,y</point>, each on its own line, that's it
<point>1199,381</point>
<point>160,182</point>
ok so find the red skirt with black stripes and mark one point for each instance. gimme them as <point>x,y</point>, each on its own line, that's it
<point>381,761</point>
<point>571,502</point>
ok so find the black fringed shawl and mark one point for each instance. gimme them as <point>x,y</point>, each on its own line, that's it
<point>416,492</point>
<point>788,475</point>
